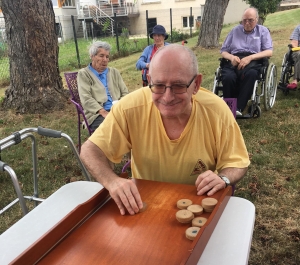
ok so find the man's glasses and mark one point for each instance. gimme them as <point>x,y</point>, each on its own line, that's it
<point>176,88</point>
<point>250,21</point>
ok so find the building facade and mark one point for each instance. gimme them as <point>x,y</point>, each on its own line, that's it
<point>137,16</point>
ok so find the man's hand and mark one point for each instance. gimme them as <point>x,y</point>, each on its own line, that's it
<point>125,194</point>
<point>235,60</point>
<point>123,191</point>
<point>244,62</point>
<point>209,182</point>
<point>103,112</point>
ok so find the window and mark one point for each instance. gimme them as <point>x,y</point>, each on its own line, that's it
<point>188,22</point>
<point>69,3</point>
<point>151,24</point>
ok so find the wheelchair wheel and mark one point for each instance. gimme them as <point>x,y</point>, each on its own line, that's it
<point>217,81</point>
<point>286,73</point>
<point>285,70</point>
<point>257,112</point>
<point>270,86</point>
<point>254,111</point>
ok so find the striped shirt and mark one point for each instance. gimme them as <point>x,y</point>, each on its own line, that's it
<point>296,34</point>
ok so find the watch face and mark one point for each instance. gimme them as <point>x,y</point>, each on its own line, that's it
<point>226,180</point>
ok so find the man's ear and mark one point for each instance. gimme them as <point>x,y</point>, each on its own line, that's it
<point>198,81</point>
<point>148,78</point>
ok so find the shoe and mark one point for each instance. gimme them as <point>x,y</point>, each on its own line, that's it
<point>238,113</point>
<point>292,86</point>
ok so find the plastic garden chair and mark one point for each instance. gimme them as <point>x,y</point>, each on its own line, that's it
<point>71,79</point>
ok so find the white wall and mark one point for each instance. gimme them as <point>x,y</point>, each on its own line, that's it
<point>234,11</point>
<point>63,16</point>
<point>161,11</point>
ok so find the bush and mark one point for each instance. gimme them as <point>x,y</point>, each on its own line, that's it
<point>178,35</point>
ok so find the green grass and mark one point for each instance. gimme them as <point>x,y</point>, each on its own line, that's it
<point>272,182</point>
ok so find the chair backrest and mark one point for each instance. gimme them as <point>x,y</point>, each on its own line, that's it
<point>71,79</point>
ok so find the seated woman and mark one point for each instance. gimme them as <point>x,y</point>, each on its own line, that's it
<point>295,42</point>
<point>159,36</point>
<point>99,85</point>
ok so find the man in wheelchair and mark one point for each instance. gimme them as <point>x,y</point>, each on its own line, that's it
<point>243,49</point>
<point>295,43</point>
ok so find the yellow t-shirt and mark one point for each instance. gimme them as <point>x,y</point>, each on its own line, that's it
<point>211,139</point>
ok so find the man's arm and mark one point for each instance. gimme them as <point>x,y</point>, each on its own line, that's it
<point>235,60</point>
<point>210,182</point>
<point>123,191</point>
<point>143,60</point>
<point>256,56</point>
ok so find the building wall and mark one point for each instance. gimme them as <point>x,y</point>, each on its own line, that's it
<point>63,16</point>
<point>180,8</point>
<point>235,11</point>
<point>161,11</point>
<point>163,17</point>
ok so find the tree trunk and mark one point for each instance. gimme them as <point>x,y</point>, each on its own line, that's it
<point>35,82</point>
<point>212,23</point>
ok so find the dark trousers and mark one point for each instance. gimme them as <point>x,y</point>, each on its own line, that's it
<point>238,84</point>
<point>97,122</point>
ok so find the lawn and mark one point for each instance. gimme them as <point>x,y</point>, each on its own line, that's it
<point>272,182</point>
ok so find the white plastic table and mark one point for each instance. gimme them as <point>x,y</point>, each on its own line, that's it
<point>236,224</point>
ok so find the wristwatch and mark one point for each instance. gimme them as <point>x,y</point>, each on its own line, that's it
<point>226,180</point>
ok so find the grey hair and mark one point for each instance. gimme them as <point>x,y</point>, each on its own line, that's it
<point>96,45</point>
<point>253,8</point>
<point>194,64</point>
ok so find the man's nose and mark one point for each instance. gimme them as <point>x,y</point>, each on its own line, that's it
<point>168,95</point>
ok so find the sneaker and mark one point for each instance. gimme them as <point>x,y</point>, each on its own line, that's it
<point>292,86</point>
<point>238,113</point>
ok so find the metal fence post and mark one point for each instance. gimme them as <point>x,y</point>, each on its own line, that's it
<point>61,33</point>
<point>191,21</point>
<point>147,27</point>
<point>76,44</point>
<point>171,24</point>
<point>116,30</point>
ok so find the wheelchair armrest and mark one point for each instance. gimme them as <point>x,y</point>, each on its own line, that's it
<point>265,61</point>
<point>223,61</point>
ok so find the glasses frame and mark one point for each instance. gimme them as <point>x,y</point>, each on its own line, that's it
<point>250,21</point>
<point>187,86</point>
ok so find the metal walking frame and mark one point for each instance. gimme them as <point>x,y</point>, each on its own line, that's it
<point>17,138</point>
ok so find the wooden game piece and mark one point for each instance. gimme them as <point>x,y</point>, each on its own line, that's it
<point>184,203</point>
<point>195,209</point>
<point>209,204</point>
<point>199,221</point>
<point>192,232</point>
<point>144,207</point>
<point>184,216</point>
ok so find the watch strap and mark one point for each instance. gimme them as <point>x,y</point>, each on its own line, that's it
<point>225,179</point>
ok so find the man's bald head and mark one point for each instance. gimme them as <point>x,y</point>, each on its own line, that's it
<point>175,53</point>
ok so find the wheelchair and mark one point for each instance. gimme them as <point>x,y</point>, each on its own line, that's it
<point>265,86</point>
<point>287,71</point>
